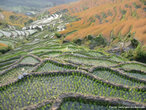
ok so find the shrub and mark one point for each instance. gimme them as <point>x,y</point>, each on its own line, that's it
<point>110,13</point>
<point>136,6</point>
<point>5,49</point>
<point>127,6</point>
<point>91,20</point>
<point>141,54</point>
<point>78,41</point>
<point>138,54</point>
<point>58,35</point>
<point>90,37</point>
<point>28,22</point>
<point>134,43</point>
<point>98,41</point>
<point>12,17</point>
<point>134,14</point>
<point>143,1</point>
<point>123,12</point>
<point>104,15</point>
<point>85,8</point>
<point>99,18</point>
<point>66,41</point>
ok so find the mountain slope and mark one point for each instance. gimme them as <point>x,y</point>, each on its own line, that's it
<point>14,19</point>
<point>39,71</point>
<point>43,72</point>
<point>110,18</point>
<point>32,3</point>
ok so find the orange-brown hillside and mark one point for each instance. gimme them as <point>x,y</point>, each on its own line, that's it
<point>3,45</point>
<point>116,17</point>
<point>79,6</point>
<point>13,18</point>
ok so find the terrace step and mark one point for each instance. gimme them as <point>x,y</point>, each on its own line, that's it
<point>49,85</point>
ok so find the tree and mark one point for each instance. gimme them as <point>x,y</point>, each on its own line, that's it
<point>58,35</point>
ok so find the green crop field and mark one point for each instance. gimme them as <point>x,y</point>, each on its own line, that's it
<point>43,70</point>
<point>40,76</point>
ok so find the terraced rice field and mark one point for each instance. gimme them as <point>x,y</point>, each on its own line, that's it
<point>14,73</point>
<point>83,104</point>
<point>113,77</point>
<point>88,61</point>
<point>133,66</point>
<point>68,77</point>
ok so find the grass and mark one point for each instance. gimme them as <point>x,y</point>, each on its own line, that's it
<point>50,54</point>
<point>83,104</point>
<point>14,74</point>
<point>116,78</point>
<point>29,60</point>
<point>35,89</point>
<point>7,63</point>
<point>99,62</point>
<point>136,75</point>
<point>51,66</point>
<point>118,58</point>
<point>134,66</point>
<point>46,107</point>
<point>64,58</point>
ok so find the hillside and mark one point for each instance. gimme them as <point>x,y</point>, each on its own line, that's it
<point>13,19</point>
<point>33,5</point>
<point>45,74</point>
<point>41,69</point>
<point>110,18</point>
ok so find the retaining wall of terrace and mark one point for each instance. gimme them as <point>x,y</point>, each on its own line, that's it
<point>56,104</point>
<point>15,64</point>
<point>117,71</point>
<point>80,73</point>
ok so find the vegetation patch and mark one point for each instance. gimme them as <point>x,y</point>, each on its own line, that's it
<point>45,70</point>
<point>4,48</point>
<point>115,77</point>
<point>38,87</point>
<point>88,61</point>
<point>29,60</point>
<point>84,104</point>
<point>136,75</point>
<point>14,73</point>
<point>133,66</point>
<point>50,65</point>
